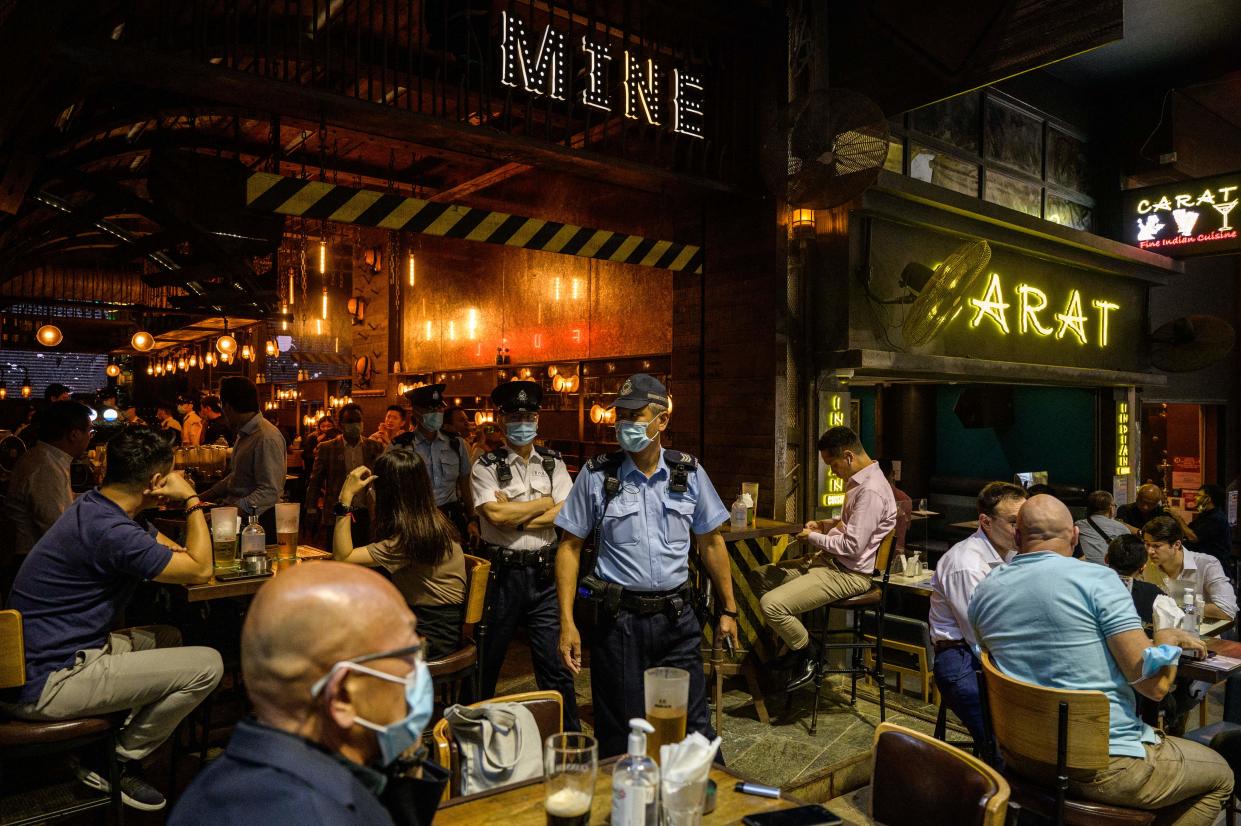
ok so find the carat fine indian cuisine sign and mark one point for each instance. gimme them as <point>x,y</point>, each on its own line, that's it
<point>1185,218</point>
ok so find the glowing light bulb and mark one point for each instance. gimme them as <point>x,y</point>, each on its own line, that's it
<point>182,363</point>
<point>113,370</point>
<point>226,344</point>
<point>49,335</point>
<point>324,309</point>
<point>322,257</point>
<point>411,269</point>
<point>142,341</point>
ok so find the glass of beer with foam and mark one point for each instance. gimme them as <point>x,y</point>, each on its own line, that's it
<point>570,766</point>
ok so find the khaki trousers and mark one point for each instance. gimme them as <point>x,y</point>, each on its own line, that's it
<point>144,669</point>
<point>788,592</point>
<point>1186,783</point>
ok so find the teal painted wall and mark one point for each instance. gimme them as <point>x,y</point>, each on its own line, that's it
<point>866,396</point>
<point>1053,430</point>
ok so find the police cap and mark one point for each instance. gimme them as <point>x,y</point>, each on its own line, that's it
<point>427,397</point>
<point>517,397</point>
<point>639,390</point>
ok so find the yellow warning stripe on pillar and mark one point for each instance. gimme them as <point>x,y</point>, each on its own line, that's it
<point>306,198</point>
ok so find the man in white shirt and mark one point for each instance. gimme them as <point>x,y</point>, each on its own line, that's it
<point>39,490</point>
<point>1175,569</point>
<point>966,564</point>
<point>1099,527</point>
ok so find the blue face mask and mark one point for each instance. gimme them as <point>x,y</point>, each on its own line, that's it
<point>396,738</point>
<point>521,433</point>
<point>433,421</point>
<point>632,436</point>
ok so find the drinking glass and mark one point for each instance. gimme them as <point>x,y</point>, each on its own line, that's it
<point>286,529</point>
<point>570,766</point>
<point>224,537</point>
<point>667,705</point>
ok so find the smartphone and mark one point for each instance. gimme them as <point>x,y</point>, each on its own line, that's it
<point>235,575</point>
<point>800,816</point>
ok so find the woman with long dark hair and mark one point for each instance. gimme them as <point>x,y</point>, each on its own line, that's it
<point>416,544</point>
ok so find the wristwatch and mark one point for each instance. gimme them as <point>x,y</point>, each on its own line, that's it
<point>339,510</point>
<point>724,612</point>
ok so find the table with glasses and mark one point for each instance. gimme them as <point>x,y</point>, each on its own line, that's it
<point>215,589</point>
<point>522,804</point>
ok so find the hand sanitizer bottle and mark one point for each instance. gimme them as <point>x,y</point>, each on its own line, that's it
<point>635,781</point>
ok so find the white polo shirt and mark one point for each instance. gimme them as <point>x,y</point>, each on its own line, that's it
<point>958,573</point>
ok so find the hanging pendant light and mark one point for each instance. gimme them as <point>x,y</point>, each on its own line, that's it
<point>113,370</point>
<point>193,359</point>
<point>150,370</point>
<point>182,363</point>
<point>271,348</point>
<point>226,344</point>
<point>142,341</point>
<point>49,335</point>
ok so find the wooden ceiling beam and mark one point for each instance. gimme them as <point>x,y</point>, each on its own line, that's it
<point>149,70</point>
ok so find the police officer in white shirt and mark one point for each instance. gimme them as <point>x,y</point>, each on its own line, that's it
<point>958,573</point>
<point>518,492</point>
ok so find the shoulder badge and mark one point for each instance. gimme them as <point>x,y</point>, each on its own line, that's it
<point>547,451</point>
<point>606,461</point>
<point>679,458</point>
<point>491,458</point>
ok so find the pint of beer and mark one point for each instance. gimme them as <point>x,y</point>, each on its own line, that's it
<point>286,529</point>
<point>570,766</point>
<point>224,537</point>
<point>667,703</point>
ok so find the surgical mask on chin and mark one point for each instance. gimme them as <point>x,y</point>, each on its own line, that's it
<point>521,433</point>
<point>352,431</point>
<point>632,436</point>
<point>396,738</point>
<point>432,421</point>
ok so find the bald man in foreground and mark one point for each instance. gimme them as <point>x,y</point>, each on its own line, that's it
<point>333,665</point>
<point>1049,620</point>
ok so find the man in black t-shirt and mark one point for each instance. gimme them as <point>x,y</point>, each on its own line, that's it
<point>75,583</point>
<point>1148,505</point>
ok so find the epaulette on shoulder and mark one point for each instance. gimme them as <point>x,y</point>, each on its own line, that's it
<point>676,457</point>
<point>494,456</point>
<point>606,461</point>
<point>547,451</point>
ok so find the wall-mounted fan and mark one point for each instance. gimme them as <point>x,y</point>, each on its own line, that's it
<point>11,449</point>
<point>941,291</point>
<point>837,143</point>
<point>1191,343</point>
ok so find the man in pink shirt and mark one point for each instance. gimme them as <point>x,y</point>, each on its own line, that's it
<point>842,559</point>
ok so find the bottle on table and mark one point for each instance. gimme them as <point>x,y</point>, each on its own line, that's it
<point>1189,605</point>
<point>253,546</point>
<point>737,514</point>
<point>635,781</point>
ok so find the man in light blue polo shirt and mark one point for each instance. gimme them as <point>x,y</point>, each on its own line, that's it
<point>1050,620</point>
<point>647,504</point>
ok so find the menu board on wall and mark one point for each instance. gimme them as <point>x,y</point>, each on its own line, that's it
<point>1184,218</point>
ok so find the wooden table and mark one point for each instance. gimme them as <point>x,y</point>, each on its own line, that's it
<point>969,525</point>
<point>522,804</point>
<point>920,583</point>
<point>1195,670</point>
<point>213,589</point>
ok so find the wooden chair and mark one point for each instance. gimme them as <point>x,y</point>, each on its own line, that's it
<point>872,600</point>
<point>948,786</point>
<point>1023,716</point>
<point>452,669</point>
<point>24,741</point>
<point>546,706</point>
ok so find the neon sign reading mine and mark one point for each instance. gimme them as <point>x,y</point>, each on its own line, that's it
<point>1084,321</point>
<point>649,93</point>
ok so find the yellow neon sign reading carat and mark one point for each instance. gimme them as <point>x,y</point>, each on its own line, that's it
<point>1031,309</point>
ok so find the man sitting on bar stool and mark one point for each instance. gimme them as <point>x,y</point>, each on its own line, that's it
<point>1049,620</point>
<point>335,670</point>
<point>843,560</point>
<point>966,564</point>
<point>447,458</point>
<point>519,491</point>
<point>74,585</point>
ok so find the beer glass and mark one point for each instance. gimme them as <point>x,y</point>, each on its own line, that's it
<point>570,766</point>
<point>286,529</point>
<point>224,537</point>
<point>667,702</point>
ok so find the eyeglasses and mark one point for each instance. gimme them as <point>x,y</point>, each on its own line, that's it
<point>413,653</point>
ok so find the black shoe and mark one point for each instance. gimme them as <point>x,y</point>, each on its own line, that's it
<point>135,792</point>
<point>786,661</point>
<point>804,670</point>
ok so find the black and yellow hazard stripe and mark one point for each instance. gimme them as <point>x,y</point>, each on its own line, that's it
<point>331,202</point>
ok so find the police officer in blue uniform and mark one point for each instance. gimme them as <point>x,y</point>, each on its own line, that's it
<point>447,459</point>
<point>518,491</point>
<point>642,504</point>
